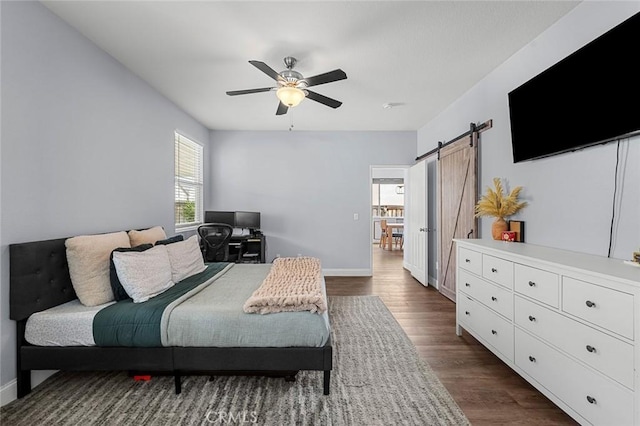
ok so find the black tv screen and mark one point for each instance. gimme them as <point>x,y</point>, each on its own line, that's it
<point>249,220</point>
<point>220,217</point>
<point>588,98</point>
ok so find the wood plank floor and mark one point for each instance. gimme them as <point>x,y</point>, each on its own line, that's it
<point>487,391</point>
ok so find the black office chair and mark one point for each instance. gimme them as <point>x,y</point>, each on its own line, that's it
<point>214,240</point>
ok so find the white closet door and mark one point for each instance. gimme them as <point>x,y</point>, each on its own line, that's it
<point>417,223</point>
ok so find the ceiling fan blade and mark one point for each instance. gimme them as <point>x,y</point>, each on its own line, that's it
<point>327,77</point>
<point>247,91</point>
<point>282,109</point>
<point>323,99</point>
<point>267,70</point>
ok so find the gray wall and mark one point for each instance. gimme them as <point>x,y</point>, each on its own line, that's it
<point>86,145</point>
<point>307,186</point>
<point>569,195</point>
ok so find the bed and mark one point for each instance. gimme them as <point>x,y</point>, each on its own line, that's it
<point>41,287</point>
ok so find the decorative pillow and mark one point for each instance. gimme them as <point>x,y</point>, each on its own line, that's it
<point>146,236</point>
<point>144,274</point>
<point>186,259</point>
<point>88,260</point>
<point>171,240</point>
<point>119,292</point>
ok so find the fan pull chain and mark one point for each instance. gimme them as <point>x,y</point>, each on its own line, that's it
<point>290,119</point>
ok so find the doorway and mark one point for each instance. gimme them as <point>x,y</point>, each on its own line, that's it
<point>387,192</point>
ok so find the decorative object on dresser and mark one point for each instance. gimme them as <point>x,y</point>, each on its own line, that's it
<point>562,320</point>
<point>496,204</point>
<point>508,236</point>
<point>517,226</point>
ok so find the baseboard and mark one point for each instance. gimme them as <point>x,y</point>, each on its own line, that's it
<point>347,272</point>
<point>432,281</point>
<point>9,392</point>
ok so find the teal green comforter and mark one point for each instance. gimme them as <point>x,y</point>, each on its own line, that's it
<point>139,324</point>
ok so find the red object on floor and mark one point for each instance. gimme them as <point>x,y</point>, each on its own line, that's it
<point>141,378</point>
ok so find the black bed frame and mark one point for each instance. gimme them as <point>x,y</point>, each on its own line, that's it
<point>39,278</point>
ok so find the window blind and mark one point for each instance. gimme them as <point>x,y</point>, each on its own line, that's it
<point>188,182</point>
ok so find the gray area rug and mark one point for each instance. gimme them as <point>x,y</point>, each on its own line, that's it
<point>377,379</point>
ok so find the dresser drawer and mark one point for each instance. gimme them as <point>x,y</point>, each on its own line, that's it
<point>497,270</point>
<point>540,285</point>
<point>470,260</point>
<point>489,326</point>
<point>597,399</point>
<point>493,296</point>
<point>605,353</point>
<point>602,306</point>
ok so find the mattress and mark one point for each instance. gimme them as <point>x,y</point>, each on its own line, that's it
<point>213,317</point>
<point>69,324</point>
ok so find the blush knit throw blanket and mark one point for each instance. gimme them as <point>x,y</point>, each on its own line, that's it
<point>293,284</point>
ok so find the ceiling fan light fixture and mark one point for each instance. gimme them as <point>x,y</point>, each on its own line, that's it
<point>290,96</point>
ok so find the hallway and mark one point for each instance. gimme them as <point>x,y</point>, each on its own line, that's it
<point>488,391</point>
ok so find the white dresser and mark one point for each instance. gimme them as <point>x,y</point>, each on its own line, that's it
<point>569,323</point>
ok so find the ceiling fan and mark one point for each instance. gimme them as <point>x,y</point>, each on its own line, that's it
<point>292,87</point>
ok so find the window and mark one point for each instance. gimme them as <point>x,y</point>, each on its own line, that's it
<point>388,197</point>
<point>188,182</point>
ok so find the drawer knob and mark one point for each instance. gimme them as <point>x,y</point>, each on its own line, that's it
<point>532,359</point>
<point>494,332</point>
<point>494,270</point>
<point>591,349</point>
<point>591,399</point>
<point>467,285</point>
<point>532,284</point>
<point>590,304</point>
<point>467,313</point>
<point>495,299</point>
<point>468,260</point>
<point>532,318</point>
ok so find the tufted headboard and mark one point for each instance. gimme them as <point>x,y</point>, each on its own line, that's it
<point>39,277</point>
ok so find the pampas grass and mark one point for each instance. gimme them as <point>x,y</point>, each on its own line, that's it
<point>494,203</point>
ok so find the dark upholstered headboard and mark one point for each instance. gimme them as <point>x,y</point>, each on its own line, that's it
<point>39,277</point>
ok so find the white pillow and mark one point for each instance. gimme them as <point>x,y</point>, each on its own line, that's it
<point>144,274</point>
<point>186,258</point>
<point>147,236</point>
<point>88,260</point>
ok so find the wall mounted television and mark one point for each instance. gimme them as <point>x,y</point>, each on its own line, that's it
<point>586,99</point>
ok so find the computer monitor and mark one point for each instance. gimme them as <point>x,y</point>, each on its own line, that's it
<point>220,217</point>
<point>248,220</point>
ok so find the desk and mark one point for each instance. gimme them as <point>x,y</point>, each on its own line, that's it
<point>247,249</point>
<point>390,228</point>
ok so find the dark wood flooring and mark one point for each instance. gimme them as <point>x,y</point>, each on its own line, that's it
<point>487,391</point>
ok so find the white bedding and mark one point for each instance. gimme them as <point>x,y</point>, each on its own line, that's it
<point>69,324</point>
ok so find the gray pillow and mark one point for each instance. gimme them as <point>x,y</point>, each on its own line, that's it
<point>119,292</point>
<point>186,259</point>
<point>144,274</point>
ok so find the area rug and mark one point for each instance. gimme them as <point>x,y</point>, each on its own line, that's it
<point>377,379</point>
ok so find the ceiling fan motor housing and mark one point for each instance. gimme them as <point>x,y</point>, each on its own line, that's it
<point>292,78</point>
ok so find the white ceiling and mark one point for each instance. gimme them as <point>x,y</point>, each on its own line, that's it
<point>421,55</point>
